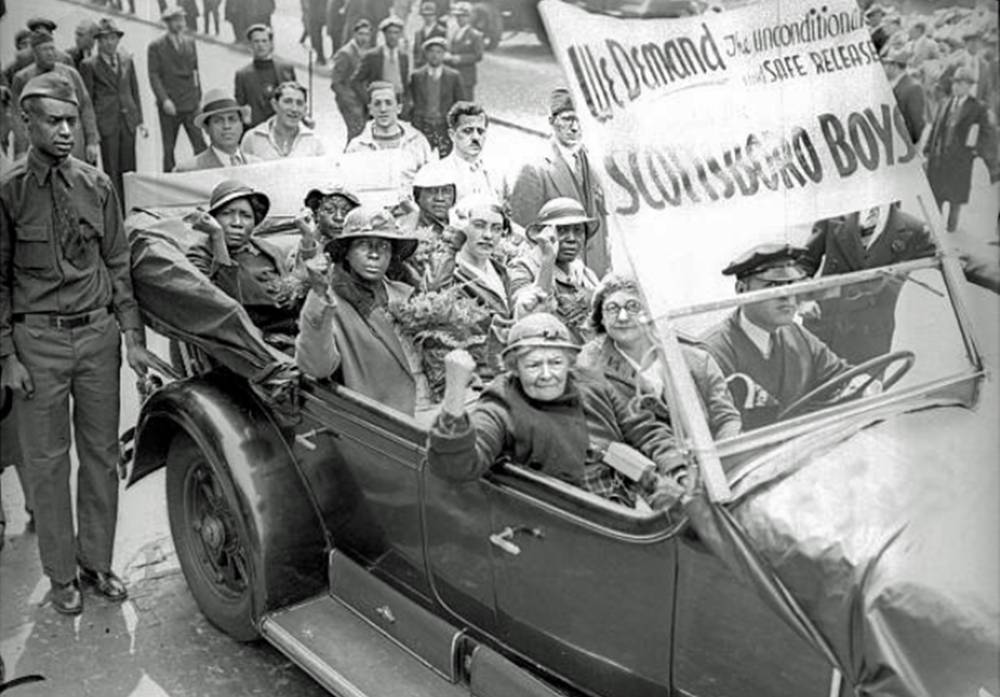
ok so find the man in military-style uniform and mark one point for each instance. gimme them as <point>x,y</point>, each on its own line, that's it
<point>65,293</point>
<point>769,361</point>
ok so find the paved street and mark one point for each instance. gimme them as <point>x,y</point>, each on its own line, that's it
<point>157,644</point>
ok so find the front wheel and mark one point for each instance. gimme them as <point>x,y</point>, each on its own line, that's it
<point>210,537</point>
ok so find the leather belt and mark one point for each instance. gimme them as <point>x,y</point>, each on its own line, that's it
<point>51,319</point>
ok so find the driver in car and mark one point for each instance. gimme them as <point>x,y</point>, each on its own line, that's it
<point>543,415</point>
<point>770,360</point>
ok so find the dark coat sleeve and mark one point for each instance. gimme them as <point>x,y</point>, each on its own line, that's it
<point>643,431</point>
<point>468,448</point>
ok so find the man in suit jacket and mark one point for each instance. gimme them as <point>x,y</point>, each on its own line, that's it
<point>222,119</point>
<point>345,64</point>
<point>860,322</point>
<point>111,81</point>
<point>372,10</point>
<point>433,26</point>
<point>256,81</point>
<point>908,92</point>
<point>173,75</point>
<point>84,38</point>
<point>386,63</point>
<point>435,88</point>
<point>465,49</point>
<point>563,169</point>
<point>86,140</point>
<point>960,132</point>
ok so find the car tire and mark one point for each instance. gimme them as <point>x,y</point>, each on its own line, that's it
<point>210,537</point>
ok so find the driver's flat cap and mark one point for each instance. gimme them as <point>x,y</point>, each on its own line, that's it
<point>769,262</point>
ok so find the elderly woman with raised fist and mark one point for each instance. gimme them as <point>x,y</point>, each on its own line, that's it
<point>543,415</point>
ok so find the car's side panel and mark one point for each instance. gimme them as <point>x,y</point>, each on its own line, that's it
<point>727,643</point>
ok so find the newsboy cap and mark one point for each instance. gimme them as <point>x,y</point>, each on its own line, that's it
<point>428,9</point>
<point>769,262</point>
<point>258,27</point>
<point>434,41</point>
<point>51,85</point>
<point>559,101</point>
<point>171,11</point>
<point>390,21</point>
<point>40,37</point>
<point>41,23</point>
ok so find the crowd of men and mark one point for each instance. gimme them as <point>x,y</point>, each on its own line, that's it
<point>530,248</point>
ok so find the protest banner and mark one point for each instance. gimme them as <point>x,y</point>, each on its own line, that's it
<point>725,130</point>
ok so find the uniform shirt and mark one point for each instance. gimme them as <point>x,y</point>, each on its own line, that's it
<point>34,276</point>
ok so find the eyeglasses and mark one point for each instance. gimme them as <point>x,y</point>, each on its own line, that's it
<point>632,307</point>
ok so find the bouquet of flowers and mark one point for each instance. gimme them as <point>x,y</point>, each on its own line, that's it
<point>437,321</point>
<point>433,262</point>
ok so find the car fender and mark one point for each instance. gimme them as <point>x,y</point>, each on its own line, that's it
<point>242,441</point>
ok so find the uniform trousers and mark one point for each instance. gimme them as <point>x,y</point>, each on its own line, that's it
<point>76,375</point>
<point>169,127</point>
<point>118,157</point>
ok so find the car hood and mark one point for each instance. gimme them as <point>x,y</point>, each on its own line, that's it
<point>884,533</point>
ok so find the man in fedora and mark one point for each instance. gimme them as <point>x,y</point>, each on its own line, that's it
<point>255,82</point>
<point>435,89</point>
<point>172,62</point>
<point>386,63</point>
<point>466,48</point>
<point>110,78</point>
<point>46,61</point>
<point>222,120</point>
<point>908,92</point>
<point>563,169</point>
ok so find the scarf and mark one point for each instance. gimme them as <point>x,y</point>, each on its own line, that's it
<point>362,295</point>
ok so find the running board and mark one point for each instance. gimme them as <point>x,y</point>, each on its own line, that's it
<point>348,656</point>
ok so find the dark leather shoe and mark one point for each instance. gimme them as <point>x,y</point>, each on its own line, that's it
<point>105,583</point>
<point>66,598</point>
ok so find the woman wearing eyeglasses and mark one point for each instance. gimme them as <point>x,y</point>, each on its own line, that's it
<point>624,352</point>
<point>345,330</point>
<point>552,277</point>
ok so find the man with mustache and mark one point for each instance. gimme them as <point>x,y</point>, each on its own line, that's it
<point>467,124</point>
<point>769,361</point>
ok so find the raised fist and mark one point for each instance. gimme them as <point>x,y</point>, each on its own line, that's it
<point>548,241</point>
<point>306,224</point>
<point>318,272</point>
<point>203,222</point>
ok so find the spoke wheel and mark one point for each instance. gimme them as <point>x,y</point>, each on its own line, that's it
<point>211,539</point>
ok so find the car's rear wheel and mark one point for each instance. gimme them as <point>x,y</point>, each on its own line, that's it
<point>210,537</point>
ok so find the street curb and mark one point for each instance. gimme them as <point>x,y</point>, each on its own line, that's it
<point>240,49</point>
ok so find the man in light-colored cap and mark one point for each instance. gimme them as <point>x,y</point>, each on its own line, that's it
<point>172,63</point>
<point>466,48</point>
<point>563,169</point>
<point>111,79</point>
<point>388,63</point>
<point>433,25</point>
<point>87,146</point>
<point>222,119</point>
<point>63,306</point>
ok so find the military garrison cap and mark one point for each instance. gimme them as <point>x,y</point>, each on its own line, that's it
<point>51,85</point>
<point>769,262</point>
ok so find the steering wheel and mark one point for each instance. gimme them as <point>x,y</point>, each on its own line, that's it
<point>872,367</point>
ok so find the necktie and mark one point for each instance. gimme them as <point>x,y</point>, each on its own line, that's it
<point>236,159</point>
<point>66,221</point>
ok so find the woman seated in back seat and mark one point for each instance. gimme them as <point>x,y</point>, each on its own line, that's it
<point>542,415</point>
<point>246,268</point>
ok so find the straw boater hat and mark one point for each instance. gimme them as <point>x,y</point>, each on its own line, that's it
<point>539,330</point>
<point>374,221</point>
<point>218,101</point>
<point>561,211</point>
<point>107,26</point>
<point>230,190</point>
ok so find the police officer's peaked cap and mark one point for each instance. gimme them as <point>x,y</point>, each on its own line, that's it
<point>171,11</point>
<point>51,85</point>
<point>539,330</point>
<point>559,101</point>
<point>39,37</point>
<point>769,262</point>
<point>390,21</point>
<point>41,23</point>
<point>434,41</point>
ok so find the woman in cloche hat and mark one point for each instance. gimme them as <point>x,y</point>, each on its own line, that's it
<point>542,414</point>
<point>345,330</point>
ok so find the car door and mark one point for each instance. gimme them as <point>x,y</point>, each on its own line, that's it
<point>583,589</point>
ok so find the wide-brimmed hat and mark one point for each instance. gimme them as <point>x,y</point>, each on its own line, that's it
<point>375,221</point>
<point>769,262</point>
<point>330,189</point>
<point>539,330</point>
<point>561,211</point>
<point>230,190</point>
<point>107,26</point>
<point>217,101</point>
<point>171,11</point>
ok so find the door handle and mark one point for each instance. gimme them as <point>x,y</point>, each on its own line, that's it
<point>503,538</point>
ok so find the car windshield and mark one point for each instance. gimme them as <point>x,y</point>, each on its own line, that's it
<point>813,345</point>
